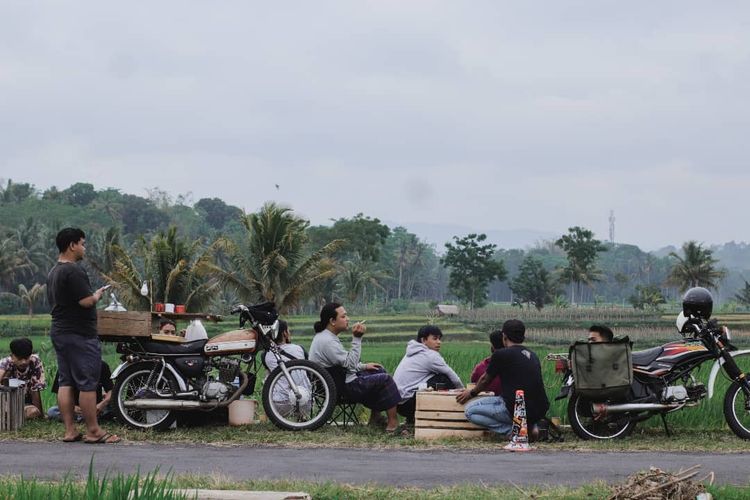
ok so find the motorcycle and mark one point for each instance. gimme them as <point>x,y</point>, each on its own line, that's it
<point>663,382</point>
<point>157,378</point>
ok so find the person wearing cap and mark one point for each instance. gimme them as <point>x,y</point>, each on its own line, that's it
<point>496,342</point>
<point>423,364</point>
<point>518,368</point>
<point>27,367</point>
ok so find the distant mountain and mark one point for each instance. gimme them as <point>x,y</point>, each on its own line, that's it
<point>440,234</point>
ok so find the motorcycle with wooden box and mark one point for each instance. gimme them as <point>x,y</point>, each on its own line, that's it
<point>158,378</point>
<point>611,391</point>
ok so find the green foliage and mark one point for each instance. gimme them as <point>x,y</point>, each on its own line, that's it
<point>472,267</point>
<point>695,267</point>
<point>743,296</point>
<point>216,212</point>
<point>582,250</point>
<point>533,285</point>
<point>647,297</point>
<point>80,194</point>
<point>272,261</point>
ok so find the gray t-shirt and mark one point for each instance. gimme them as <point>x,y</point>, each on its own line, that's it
<point>67,283</point>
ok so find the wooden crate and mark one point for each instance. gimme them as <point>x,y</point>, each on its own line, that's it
<point>126,324</point>
<point>12,413</point>
<point>439,416</point>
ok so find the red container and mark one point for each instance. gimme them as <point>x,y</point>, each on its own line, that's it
<point>179,308</point>
<point>159,307</point>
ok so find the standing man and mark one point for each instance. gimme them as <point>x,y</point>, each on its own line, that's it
<point>73,334</point>
<point>519,368</point>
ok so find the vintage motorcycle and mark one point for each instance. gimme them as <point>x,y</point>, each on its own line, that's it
<point>663,380</point>
<point>157,378</point>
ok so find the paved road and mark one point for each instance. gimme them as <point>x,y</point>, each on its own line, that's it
<point>394,467</point>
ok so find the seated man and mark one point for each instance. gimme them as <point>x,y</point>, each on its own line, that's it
<point>27,367</point>
<point>496,342</point>
<point>365,383</point>
<point>519,368</point>
<point>423,364</point>
<point>600,333</point>
<point>103,397</point>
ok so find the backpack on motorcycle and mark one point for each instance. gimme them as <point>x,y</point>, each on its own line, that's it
<point>602,370</point>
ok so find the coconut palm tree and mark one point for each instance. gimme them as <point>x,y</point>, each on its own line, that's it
<point>272,261</point>
<point>29,296</point>
<point>356,276</point>
<point>695,267</point>
<point>14,262</point>
<point>177,271</point>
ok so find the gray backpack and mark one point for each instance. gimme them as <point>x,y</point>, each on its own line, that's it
<point>602,370</point>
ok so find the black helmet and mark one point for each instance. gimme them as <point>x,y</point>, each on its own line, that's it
<point>697,302</point>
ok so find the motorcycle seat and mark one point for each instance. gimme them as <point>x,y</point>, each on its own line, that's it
<point>645,358</point>
<point>175,349</point>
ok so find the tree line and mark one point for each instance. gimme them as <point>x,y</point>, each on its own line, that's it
<point>208,254</point>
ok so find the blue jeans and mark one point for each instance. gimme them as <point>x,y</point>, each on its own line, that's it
<point>490,412</point>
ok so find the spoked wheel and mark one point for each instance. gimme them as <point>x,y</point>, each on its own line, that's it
<point>314,405</point>
<point>139,381</point>
<point>587,425</point>
<point>737,409</point>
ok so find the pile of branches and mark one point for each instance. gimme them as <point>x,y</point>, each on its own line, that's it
<point>656,484</point>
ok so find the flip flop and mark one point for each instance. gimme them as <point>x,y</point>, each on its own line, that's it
<point>77,438</point>
<point>104,439</point>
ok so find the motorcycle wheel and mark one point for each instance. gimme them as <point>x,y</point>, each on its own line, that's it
<point>737,410</point>
<point>586,426</point>
<point>130,384</point>
<point>318,396</point>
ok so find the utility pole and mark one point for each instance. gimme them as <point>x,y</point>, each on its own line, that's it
<point>612,226</point>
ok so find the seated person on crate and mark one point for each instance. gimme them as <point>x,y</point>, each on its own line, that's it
<point>365,383</point>
<point>282,394</point>
<point>27,367</point>
<point>423,364</point>
<point>103,397</point>
<point>519,368</point>
<point>496,342</point>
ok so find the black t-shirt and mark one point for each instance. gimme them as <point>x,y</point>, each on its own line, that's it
<point>104,386</point>
<point>67,283</point>
<point>519,368</point>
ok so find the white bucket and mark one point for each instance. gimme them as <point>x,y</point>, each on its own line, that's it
<point>242,412</point>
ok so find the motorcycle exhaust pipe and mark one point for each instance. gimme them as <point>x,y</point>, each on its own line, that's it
<point>181,404</point>
<point>603,408</point>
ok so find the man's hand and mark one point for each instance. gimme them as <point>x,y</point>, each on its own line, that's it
<point>359,330</point>
<point>464,397</point>
<point>371,367</point>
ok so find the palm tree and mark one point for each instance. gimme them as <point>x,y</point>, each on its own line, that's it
<point>14,261</point>
<point>29,296</point>
<point>177,270</point>
<point>272,262</point>
<point>696,267</point>
<point>356,276</point>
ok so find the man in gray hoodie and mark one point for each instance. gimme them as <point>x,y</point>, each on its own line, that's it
<point>423,365</point>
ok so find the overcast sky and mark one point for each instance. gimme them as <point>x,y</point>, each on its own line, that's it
<point>490,115</point>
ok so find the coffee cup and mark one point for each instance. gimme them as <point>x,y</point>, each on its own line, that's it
<point>168,307</point>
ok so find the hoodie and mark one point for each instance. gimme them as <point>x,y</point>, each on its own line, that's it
<point>417,366</point>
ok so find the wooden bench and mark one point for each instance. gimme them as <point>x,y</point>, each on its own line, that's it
<point>439,416</point>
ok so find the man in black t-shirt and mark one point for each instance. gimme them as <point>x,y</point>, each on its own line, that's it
<point>103,397</point>
<point>518,368</point>
<point>73,334</point>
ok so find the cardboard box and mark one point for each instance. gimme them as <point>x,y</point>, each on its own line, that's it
<point>439,415</point>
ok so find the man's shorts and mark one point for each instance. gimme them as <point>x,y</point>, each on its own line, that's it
<point>79,361</point>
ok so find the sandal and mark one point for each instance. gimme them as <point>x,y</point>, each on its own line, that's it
<point>75,439</point>
<point>106,438</point>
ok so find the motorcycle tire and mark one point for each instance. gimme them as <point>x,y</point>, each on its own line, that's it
<point>736,410</point>
<point>317,391</point>
<point>585,426</point>
<point>132,381</point>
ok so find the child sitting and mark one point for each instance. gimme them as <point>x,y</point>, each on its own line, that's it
<point>27,367</point>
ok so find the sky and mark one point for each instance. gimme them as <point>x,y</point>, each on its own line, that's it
<point>493,116</point>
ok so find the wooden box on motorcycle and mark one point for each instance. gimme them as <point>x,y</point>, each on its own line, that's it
<point>234,342</point>
<point>602,370</point>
